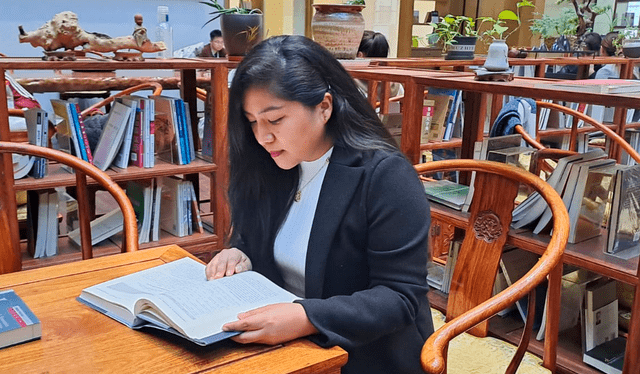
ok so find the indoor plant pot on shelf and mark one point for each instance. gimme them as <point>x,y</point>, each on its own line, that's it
<point>338,28</point>
<point>457,36</point>
<point>242,27</point>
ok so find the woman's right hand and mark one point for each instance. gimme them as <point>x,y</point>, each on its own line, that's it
<point>228,262</point>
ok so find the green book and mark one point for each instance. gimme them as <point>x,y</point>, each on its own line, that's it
<point>446,192</point>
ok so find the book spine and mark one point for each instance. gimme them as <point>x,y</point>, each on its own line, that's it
<point>35,169</point>
<point>152,131</point>
<point>85,140</point>
<point>77,133</point>
<point>182,136</point>
<point>137,152</point>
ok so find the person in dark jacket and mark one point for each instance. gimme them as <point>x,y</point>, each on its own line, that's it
<point>215,48</point>
<point>325,205</point>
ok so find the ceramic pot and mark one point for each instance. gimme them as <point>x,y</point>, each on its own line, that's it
<point>631,48</point>
<point>497,56</point>
<point>338,28</point>
<point>241,32</point>
<point>462,49</point>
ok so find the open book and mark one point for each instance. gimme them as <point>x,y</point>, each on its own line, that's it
<point>176,297</point>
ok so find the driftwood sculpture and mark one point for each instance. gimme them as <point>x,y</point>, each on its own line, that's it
<point>63,31</point>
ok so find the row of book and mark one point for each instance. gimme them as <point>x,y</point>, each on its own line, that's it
<point>135,131</point>
<point>597,193</point>
<point>167,203</point>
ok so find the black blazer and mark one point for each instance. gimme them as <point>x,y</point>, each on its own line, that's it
<point>365,276</point>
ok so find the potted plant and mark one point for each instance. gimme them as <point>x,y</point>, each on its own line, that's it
<point>498,32</point>
<point>546,27</point>
<point>339,27</point>
<point>457,36</point>
<point>628,42</point>
<point>241,26</point>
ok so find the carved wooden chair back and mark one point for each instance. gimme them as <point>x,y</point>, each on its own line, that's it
<point>470,302</point>
<point>10,255</point>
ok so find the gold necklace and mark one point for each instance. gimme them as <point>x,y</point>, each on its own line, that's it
<point>298,194</point>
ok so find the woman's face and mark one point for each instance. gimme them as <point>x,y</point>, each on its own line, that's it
<point>288,130</point>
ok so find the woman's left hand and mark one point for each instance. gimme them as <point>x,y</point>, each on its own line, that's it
<point>272,324</point>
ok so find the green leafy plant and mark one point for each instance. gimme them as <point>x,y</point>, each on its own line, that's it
<point>585,12</point>
<point>546,26</point>
<point>499,28</point>
<point>355,2</point>
<point>628,33</point>
<point>219,10</point>
<point>451,26</point>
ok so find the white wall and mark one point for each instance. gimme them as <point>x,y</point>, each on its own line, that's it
<point>111,17</point>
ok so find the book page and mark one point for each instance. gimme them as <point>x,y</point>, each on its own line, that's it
<point>180,292</point>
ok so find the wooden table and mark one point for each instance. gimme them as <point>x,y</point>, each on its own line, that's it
<point>77,339</point>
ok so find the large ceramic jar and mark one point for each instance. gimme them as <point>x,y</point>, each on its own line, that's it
<point>338,28</point>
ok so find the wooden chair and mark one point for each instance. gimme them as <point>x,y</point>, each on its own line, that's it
<point>82,170</point>
<point>470,302</point>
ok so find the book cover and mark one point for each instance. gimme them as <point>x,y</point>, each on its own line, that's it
<point>36,121</point>
<point>140,194</point>
<point>176,297</point>
<point>167,140</point>
<point>586,207</point>
<point>607,357</point>
<point>121,161</point>
<point>102,227</point>
<point>112,136</point>
<point>438,121</point>
<point>19,324</point>
<point>172,207</point>
<point>623,233</point>
<point>601,313</point>
<point>446,192</point>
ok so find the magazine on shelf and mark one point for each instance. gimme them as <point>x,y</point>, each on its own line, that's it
<point>176,297</point>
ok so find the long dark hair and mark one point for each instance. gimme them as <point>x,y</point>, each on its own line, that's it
<point>293,68</point>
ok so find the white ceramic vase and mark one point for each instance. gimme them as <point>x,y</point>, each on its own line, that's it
<point>497,59</point>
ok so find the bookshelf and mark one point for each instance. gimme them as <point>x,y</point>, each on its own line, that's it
<point>187,73</point>
<point>588,254</point>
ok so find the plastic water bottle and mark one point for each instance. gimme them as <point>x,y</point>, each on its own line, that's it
<point>164,32</point>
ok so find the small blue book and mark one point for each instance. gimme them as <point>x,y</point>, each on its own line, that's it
<point>18,324</point>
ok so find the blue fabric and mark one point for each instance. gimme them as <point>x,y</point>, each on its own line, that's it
<point>510,116</point>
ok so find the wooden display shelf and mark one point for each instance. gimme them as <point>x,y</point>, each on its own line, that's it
<point>587,254</point>
<point>200,245</point>
<point>509,328</point>
<point>58,177</point>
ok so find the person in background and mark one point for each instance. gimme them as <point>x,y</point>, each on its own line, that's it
<point>215,48</point>
<point>374,44</point>
<point>608,48</point>
<point>324,204</point>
